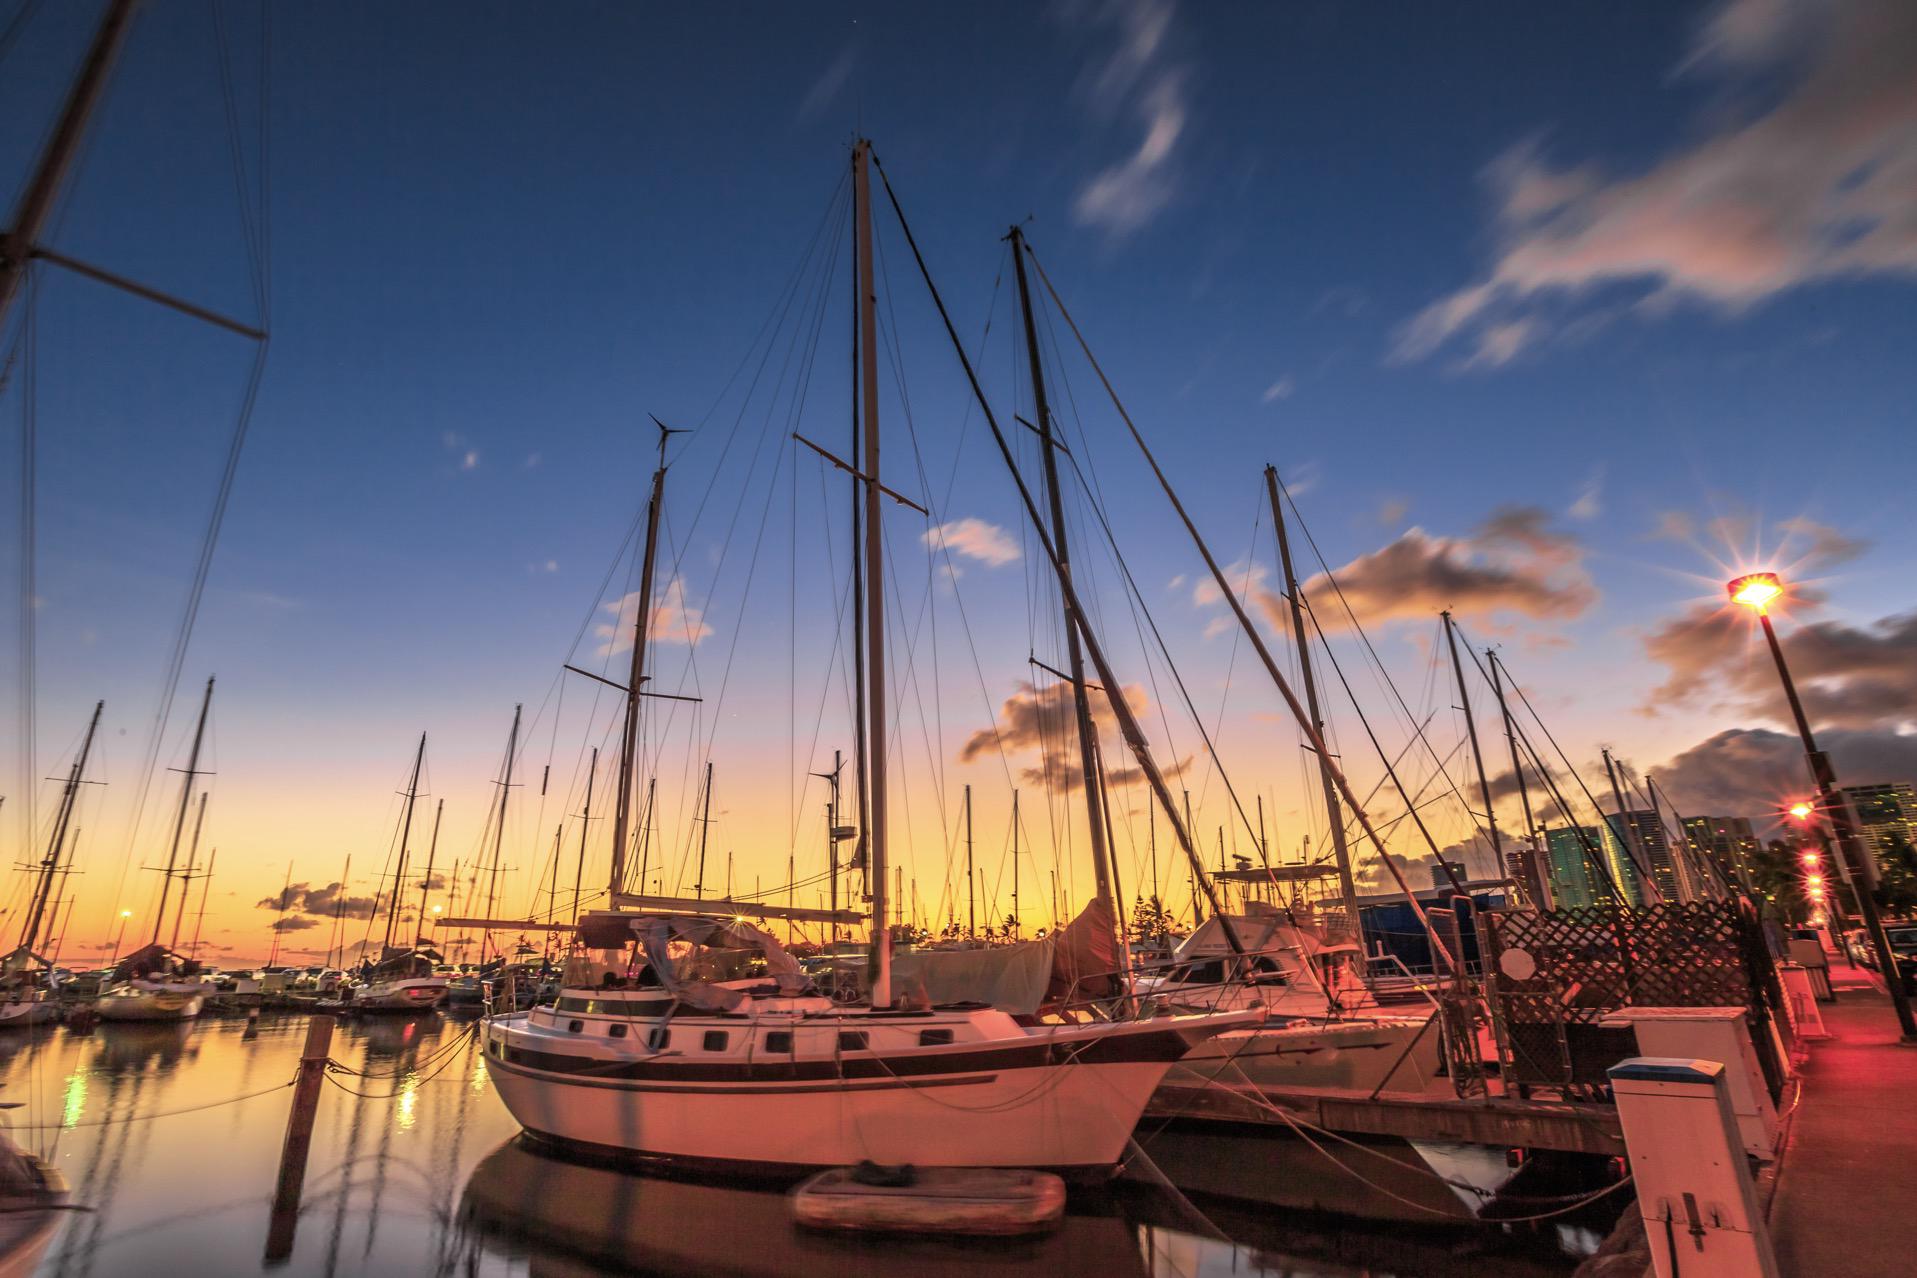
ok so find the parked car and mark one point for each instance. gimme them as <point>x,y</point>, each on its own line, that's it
<point>1903,949</point>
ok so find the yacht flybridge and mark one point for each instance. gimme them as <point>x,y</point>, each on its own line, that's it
<point>709,1045</point>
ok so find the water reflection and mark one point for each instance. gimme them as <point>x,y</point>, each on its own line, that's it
<point>417,1169</point>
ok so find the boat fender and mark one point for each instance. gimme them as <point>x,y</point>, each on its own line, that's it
<point>902,1176</point>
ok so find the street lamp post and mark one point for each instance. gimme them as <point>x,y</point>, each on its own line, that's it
<point>1756,591</point>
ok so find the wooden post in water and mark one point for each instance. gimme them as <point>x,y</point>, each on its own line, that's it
<point>299,1139</point>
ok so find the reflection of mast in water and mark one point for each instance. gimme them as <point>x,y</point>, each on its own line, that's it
<point>100,1185</point>
<point>348,1164</point>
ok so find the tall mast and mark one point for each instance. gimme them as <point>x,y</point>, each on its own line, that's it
<point>405,834</point>
<point>1334,813</point>
<point>286,890</point>
<point>862,819</point>
<point>56,844</point>
<point>1626,833</point>
<point>179,821</point>
<point>432,851</point>
<point>585,824</point>
<point>206,891</point>
<point>971,892</point>
<point>1471,730</point>
<point>1540,897</point>
<point>1074,652</point>
<point>642,622</point>
<point>338,937</point>
<point>22,237</point>
<point>499,829</point>
<point>645,830</point>
<point>186,878</point>
<point>881,960</point>
<point>1017,921</point>
<point>705,830</point>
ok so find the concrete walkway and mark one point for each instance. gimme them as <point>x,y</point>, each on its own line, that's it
<point>1843,1201</point>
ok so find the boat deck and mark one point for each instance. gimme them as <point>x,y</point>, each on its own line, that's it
<point>1851,1142</point>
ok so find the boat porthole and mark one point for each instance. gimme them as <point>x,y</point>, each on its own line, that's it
<point>616,1031</point>
<point>573,1027</point>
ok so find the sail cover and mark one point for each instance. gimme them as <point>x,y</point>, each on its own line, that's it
<point>657,933</point>
<point>1074,964</point>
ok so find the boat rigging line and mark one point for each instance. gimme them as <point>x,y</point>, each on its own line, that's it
<point>1271,668</point>
<point>1114,695</point>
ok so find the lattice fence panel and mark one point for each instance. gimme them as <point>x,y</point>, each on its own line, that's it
<point>1550,977</point>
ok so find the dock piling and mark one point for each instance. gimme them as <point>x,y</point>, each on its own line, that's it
<point>299,1138</point>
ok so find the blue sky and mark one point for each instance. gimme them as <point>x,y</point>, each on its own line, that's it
<point>1615,263</point>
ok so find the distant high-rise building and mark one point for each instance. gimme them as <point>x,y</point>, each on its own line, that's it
<point>1646,840</point>
<point>1574,881</point>
<point>1442,881</point>
<point>1526,868</point>
<point>1729,842</point>
<point>1886,814</point>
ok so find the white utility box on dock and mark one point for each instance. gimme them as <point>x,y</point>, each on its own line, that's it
<point>1800,986</point>
<point>1712,1034</point>
<point>1694,1188</point>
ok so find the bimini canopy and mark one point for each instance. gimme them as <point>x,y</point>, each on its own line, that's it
<point>656,934</point>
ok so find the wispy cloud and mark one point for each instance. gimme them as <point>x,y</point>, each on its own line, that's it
<point>1280,389</point>
<point>826,88</point>
<point>1137,77</point>
<point>974,539</point>
<point>461,448</point>
<point>1817,186</point>
<point>1589,503</point>
<point>673,620</point>
<point>1514,563</point>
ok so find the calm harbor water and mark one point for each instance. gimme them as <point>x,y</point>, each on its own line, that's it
<point>416,1169</point>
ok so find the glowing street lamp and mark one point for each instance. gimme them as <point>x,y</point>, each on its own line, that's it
<point>1757,591</point>
<point>120,935</point>
<point>1801,810</point>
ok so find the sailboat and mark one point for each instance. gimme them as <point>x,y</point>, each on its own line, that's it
<point>25,998</point>
<point>153,983</point>
<point>403,981</point>
<point>704,1043</point>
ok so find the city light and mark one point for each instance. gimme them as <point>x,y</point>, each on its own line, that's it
<point>1756,590</point>
<point>1801,810</point>
<point>1810,856</point>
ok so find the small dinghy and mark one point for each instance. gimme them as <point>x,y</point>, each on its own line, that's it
<point>930,1200</point>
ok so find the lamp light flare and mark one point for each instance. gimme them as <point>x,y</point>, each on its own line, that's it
<point>1801,810</point>
<point>1756,590</point>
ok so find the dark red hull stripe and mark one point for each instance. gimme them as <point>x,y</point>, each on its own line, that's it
<point>1161,1045</point>
<point>574,1079</point>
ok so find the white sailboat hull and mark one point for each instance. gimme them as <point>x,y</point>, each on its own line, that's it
<point>1065,1097</point>
<point>1384,1054</point>
<point>419,994</point>
<point>19,1015</point>
<point>156,1001</point>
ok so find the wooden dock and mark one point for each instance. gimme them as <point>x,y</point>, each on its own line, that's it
<point>1495,1121</point>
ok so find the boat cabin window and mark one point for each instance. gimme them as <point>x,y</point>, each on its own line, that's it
<point>934,1037</point>
<point>573,1027</point>
<point>778,1040</point>
<point>615,1031</point>
<point>1200,973</point>
<point>659,1039</point>
<point>852,1040</point>
<point>715,1041</point>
